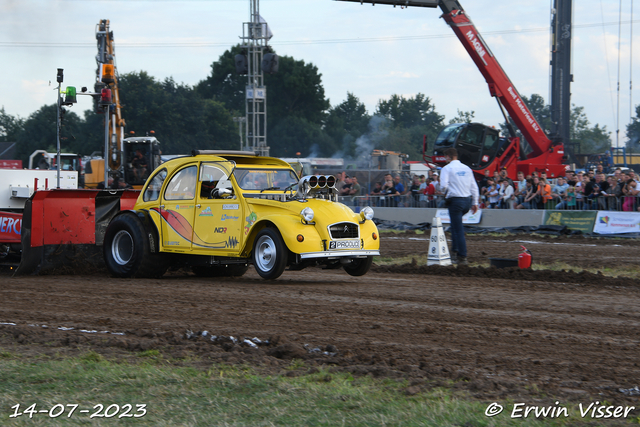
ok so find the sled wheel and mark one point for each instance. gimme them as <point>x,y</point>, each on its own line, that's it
<point>127,251</point>
<point>359,266</point>
<point>269,254</point>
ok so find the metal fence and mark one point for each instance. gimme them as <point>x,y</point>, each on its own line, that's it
<point>607,202</point>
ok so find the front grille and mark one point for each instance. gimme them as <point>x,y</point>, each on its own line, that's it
<point>344,230</point>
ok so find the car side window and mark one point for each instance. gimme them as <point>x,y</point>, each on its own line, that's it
<point>152,191</point>
<point>210,177</point>
<point>182,185</point>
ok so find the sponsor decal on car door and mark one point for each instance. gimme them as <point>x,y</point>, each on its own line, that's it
<point>216,224</point>
<point>177,208</point>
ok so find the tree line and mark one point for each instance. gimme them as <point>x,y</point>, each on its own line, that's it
<point>300,117</point>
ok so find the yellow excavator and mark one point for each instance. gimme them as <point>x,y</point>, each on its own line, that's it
<point>129,160</point>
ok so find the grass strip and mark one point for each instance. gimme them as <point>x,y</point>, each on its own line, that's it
<point>229,396</point>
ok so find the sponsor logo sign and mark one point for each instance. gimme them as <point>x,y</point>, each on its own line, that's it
<point>468,218</point>
<point>230,207</point>
<point>251,219</point>
<point>228,217</point>
<point>477,45</point>
<point>523,108</point>
<point>344,244</point>
<point>206,212</point>
<point>613,222</point>
<point>573,220</point>
<point>10,227</point>
<point>220,230</point>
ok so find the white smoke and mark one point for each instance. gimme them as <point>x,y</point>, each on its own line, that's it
<point>365,144</point>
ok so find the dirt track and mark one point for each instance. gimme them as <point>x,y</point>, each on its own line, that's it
<point>501,333</point>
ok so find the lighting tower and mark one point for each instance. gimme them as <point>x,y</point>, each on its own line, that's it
<point>561,76</point>
<point>255,36</point>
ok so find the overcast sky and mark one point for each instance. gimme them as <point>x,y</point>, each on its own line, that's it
<point>371,51</point>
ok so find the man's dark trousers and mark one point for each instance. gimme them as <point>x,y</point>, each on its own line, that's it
<point>458,206</point>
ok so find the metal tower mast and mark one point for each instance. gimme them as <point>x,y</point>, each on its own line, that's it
<point>561,76</point>
<point>255,35</point>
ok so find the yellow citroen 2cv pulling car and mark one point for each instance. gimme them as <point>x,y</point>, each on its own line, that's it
<point>217,212</point>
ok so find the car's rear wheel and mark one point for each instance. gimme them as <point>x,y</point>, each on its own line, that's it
<point>269,254</point>
<point>231,270</point>
<point>127,251</point>
<point>359,266</point>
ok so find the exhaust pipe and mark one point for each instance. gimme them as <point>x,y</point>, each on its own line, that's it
<point>313,182</point>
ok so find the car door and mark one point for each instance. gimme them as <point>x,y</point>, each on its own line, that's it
<point>218,215</point>
<point>177,209</point>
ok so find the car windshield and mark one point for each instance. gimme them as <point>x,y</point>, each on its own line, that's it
<point>265,179</point>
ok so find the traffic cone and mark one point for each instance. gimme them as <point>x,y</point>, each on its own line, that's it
<point>438,248</point>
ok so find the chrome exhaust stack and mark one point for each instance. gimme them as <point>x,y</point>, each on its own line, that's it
<point>317,183</point>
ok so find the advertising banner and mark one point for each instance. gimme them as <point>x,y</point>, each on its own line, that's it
<point>574,220</point>
<point>468,218</point>
<point>613,222</point>
<point>10,226</point>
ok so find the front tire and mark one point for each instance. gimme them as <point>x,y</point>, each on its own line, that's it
<point>127,251</point>
<point>269,254</point>
<point>359,266</point>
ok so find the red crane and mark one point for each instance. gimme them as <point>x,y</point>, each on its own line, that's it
<point>480,146</point>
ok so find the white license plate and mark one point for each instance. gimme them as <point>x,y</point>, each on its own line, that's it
<point>344,244</point>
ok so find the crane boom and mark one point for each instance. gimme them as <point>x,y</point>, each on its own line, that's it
<point>483,149</point>
<point>106,56</point>
<point>500,86</point>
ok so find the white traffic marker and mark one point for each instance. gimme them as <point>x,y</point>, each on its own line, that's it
<point>438,248</point>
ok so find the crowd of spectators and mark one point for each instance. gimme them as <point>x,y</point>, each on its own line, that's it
<point>590,190</point>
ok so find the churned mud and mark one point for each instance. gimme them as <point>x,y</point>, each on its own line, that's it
<point>496,333</point>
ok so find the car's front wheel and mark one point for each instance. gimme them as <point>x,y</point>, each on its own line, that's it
<point>269,254</point>
<point>127,251</point>
<point>359,266</point>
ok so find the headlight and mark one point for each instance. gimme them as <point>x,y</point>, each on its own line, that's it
<point>366,213</point>
<point>307,214</point>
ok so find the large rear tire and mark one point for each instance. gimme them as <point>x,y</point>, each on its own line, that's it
<point>270,254</point>
<point>231,270</point>
<point>127,251</point>
<point>359,266</point>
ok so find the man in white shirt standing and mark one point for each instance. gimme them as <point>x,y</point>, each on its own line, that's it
<point>461,195</point>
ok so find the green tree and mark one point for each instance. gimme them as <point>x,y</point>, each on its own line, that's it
<point>224,84</point>
<point>294,91</point>
<point>296,134</point>
<point>463,117</point>
<point>409,121</point>
<point>39,132</point>
<point>345,123</point>
<point>590,140</point>
<point>181,119</point>
<point>407,112</point>
<point>633,131</point>
<point>586,138</point>
<point>10,126</point>
<point>91,134</point>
